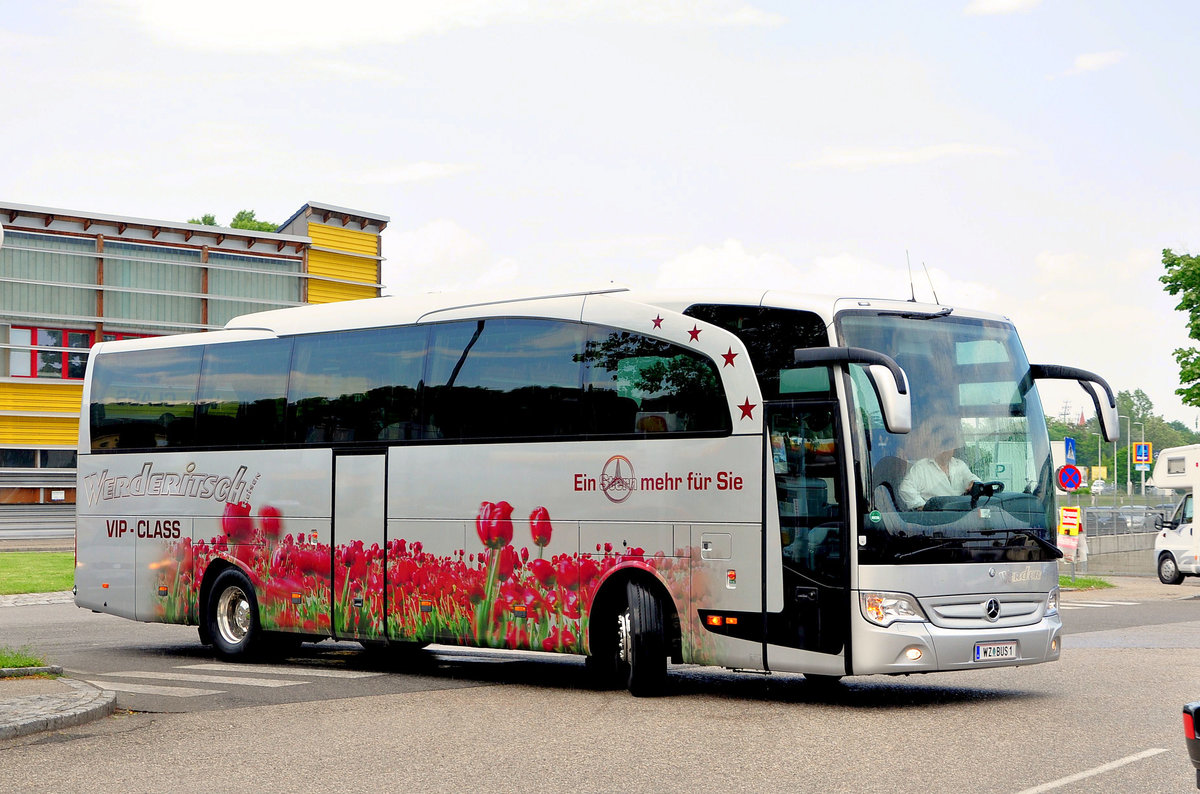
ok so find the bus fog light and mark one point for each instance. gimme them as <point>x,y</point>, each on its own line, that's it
<point>913,654</point>
<point>884,609</point>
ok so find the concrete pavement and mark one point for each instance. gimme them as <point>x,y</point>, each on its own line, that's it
<point>32,704</point>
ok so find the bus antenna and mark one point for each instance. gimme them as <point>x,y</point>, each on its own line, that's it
<point>931,289</point>
<point>911,287</point>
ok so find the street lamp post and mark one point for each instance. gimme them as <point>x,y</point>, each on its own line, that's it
<point>1128,474</point>
<point>1115,473</point>
<point>1143,426</point>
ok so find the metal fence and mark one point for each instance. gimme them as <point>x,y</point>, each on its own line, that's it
<point>1123,519</point>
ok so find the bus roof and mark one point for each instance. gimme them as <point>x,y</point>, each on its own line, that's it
<point>431,306</point>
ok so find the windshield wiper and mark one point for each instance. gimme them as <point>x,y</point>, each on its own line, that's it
<point>1029,533</point>
<point>924,549</point>
<point>986,534</point>
<point>926,315</point>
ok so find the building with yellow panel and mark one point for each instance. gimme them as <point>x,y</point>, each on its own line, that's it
<point>69,279</point>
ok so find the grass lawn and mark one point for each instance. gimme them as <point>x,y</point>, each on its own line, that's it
<point>36,571</point>
<point>19,657</point>
<point>1083,583</point>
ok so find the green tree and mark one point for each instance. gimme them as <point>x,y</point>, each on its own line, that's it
<point>243,220</point>
<point>1183,280</point>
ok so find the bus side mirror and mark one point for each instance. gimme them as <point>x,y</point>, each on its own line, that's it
<point>1096,387</point>
<point>887,379</point>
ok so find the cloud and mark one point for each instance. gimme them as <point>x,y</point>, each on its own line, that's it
<point>344,70</point>
<point>291,25</point>
<point>995,7</point>
<point>860,159</point>
<point>732,264</point>
<point>1094,61</point>
<point>441,255</point>
<point>409,172</point>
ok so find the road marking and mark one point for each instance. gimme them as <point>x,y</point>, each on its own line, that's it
<point>146,689</point>
<point>280,670</point>
<point>1129,759</point>
<point>206,679</point>
<point>1098,604</point>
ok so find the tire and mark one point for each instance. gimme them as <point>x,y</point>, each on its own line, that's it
<point>642,642</point>
<point>232,616</point>
<point>1168,571</point>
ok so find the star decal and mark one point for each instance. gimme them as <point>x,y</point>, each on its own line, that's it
<point>694,333</point>
<point>747,409</point>
<point>657,321</point>
<point>729,357</point>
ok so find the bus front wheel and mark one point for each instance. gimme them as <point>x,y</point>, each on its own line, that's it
<point>642,642</point>
<point>232,616</point>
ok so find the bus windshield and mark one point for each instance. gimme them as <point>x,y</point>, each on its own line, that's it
<point>971,482</point>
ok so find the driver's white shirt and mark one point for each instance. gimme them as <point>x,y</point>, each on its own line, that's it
<point>925,478</point>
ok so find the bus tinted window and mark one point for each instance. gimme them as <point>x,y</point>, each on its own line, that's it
<point>357,386</point>
<point>504,378</point>
<point>243,388</point>
<point>772,336</point>
<point>143,399</point>
<point>636,384</point>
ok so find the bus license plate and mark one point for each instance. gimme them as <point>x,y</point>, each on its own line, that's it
<point>992,651</point>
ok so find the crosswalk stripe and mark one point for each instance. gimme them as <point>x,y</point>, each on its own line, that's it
<point>1098,604</point>
<point>280,670</point>
<point>206,679</point>
<point>146,689</point>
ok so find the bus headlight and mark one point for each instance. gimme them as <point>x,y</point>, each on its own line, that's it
<point>884,609</point>
<point>1052,602</point>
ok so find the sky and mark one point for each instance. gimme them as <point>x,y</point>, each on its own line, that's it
<point>1034,156</point>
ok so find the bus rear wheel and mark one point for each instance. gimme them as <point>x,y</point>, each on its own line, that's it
<point>642,643</point>
<point>232,616</point>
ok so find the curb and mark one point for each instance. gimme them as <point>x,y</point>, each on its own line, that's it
<point>20,672</point>
<point>36,713</point>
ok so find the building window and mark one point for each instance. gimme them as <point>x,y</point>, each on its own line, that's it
<point>53,352</point>
<point>48,353</point>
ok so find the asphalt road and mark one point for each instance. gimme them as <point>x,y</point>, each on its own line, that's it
<point>1106,718</point>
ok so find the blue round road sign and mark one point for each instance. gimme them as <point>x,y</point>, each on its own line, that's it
<point>1069,478</point>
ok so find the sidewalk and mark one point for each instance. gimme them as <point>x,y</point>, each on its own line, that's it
<point>31,704</point>
<point>1135,588</point>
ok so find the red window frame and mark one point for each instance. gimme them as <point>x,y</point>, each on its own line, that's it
<point>39,355</point>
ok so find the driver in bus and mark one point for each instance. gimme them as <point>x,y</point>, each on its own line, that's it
<point>939,474</point>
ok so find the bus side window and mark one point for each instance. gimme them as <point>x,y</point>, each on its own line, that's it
<point>144,399</point>
<point>243,388</point>
<point>356,386</point>
<point>670,389</point>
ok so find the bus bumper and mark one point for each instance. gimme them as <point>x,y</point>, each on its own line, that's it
<point>925,648</point>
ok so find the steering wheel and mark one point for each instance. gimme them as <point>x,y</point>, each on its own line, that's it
<point>988,489</point>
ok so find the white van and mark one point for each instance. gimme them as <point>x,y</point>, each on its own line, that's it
<point>1177,547</point>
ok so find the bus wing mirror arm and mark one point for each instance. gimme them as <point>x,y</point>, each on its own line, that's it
<point>887,379</point>
<point>1096,387</point>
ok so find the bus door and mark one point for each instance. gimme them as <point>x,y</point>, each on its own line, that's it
<point>359,504</point>
<point>809,469</point>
